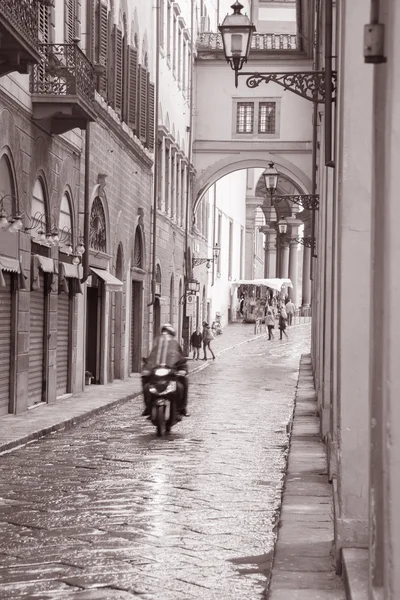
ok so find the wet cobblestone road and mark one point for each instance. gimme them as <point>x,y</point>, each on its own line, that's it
<point>108,511</point>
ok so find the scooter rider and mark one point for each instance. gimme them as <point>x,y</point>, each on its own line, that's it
<point>166,352</point>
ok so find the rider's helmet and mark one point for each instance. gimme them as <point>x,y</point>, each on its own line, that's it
<point>167,328</point>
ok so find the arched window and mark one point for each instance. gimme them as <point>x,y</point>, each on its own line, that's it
<point>7,189</point>
<point>138,258</point>
<point>38,211</point>
<point>158,280</point>
<point>65,222</point>
<point>97,233</point>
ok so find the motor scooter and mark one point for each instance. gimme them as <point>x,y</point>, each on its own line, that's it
<point>164,390</point>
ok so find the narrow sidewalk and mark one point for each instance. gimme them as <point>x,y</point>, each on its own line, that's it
<point>303,567</point>
<point>17,430</point>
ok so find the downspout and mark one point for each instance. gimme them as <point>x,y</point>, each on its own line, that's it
<point>315,135</point>
<point>188,267</point>
<point>86,216</point>
<point>328,83</point>
<point>213,233</point>
<point>156,165</point>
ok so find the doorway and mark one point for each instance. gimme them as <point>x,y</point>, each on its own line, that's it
<point>157,318</point>
<point>136,326</point>
<point>93,337</point>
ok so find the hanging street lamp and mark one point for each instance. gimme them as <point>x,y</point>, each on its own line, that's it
<point>236,31</point>
<point>200,261</point>
<point>271,178</point>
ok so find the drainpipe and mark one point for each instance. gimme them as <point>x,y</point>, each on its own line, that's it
<point>213,233</point>
<point>188,268</point>
<point>86,216</point>
<point>156,165</point>
<point>315,134</point>
<point>328,83</point>
<point>374,37</point>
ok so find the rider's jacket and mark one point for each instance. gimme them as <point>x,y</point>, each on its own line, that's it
<point>166,352</point>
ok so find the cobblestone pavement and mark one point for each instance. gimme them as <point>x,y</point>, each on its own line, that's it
<point>106,510</point>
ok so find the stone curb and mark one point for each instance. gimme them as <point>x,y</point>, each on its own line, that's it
<point>71,422</point>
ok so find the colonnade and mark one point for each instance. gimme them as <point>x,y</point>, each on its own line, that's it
<point>281,259</point>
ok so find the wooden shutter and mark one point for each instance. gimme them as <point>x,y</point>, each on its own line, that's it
<point>78,18</point>
<point>150,114</point>
<point>69,20</point>
<point>102,47</point>
<point>117,41</point>
<point>142,103</point>
<point>92,29</point>
<point>5,343</point>
<point>131,88</point>
<point>63,334</point>
<point>44,24</point>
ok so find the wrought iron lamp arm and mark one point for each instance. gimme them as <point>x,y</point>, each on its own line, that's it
<point>307,201</point>
<point>200,261</point>
<point>306,84</point>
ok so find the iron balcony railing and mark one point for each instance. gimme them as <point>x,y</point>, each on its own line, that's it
<point>63,71</point>
<point>259,41</point>
<point>23,15</point>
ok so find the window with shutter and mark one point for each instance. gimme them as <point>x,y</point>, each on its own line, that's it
<point>91,41</point>
<point>69,20</point>
<point>117,39</point>
<point>142,103</point>
<point>131,87</point>
<point>150,115</point>
<point>102,47</point>
<point>44,24</point>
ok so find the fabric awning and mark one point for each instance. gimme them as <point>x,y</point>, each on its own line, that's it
<point>112,283</point>
<point>274,283</point>
<point>45,264</point>
<point>71,271</point>
<point>12,265</point>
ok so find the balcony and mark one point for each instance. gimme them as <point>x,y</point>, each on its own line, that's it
<point>259,41</point>
<point>19,43</point>
<point>63,88</point>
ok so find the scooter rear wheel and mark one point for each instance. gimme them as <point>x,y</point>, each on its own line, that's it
<point>160,421</point>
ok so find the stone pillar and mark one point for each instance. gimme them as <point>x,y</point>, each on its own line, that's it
<point>178,188</point>
<point>272,254</point>
<point>293,269</point>
<point>173,182</point>
<point>284,259</point>
<point>306,281</point>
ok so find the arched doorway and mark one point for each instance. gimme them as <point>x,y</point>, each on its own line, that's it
<point>95,297</point>
<point>9,248</point>
<point>171,301</point>
<point>65,302</point>
<point>138,274</point>
<point>119,339</point>
<point>39,323</point>
<point>157,306</point>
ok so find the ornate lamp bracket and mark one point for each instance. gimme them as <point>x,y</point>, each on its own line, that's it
<point>308,242</point>
<point>306,84</point>
<point>200,261</point>
<point>307,201</point>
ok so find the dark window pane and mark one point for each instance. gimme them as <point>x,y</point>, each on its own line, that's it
<point>266,117</point>
<point>245,117</point>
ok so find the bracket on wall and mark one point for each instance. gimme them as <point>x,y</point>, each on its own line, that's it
<point>307,201</point>
<point>306,84</point>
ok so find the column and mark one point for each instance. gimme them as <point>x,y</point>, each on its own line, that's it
<point>293,269</point>
<point>178,189</point>
<point>161,175</point>
<point>173,182</point>
<point>272,254</point>
<point>306,281</point>
<point>284,259</point>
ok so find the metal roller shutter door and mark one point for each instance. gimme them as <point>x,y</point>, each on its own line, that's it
<point>62,344</point>
<point>36,348</point>
<point>5,344</point>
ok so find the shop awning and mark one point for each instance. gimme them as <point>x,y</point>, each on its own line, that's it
<point>112,283</point>
<point>274,283</point>
<point>45,264</point>
<point>71,271</point>
<point>12,265</point>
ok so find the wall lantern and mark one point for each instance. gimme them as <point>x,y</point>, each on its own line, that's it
<point>271,178</point>
<point>192,286</point>
<point>282,226</point>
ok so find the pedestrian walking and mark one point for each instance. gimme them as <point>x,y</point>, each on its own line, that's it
<point>290,308</point>
<point>196,340</point>
<point>270,323</point>
<point>282,322</point>
<point>207,339</point>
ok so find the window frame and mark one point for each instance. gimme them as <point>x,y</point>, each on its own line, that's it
<point>256,103</point>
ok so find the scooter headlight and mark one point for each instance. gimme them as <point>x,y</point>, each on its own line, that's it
<point>161,372</point>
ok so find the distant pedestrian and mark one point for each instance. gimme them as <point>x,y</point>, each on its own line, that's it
<point>290,308</point>
<point>207,339</point>
<point>196,340</point>
<point>270,323</point>
<point>282,322</point>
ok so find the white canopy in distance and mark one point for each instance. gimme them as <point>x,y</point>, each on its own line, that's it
<point>274,284</point>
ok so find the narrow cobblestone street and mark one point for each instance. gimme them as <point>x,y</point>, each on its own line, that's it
<point>107,510</point>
